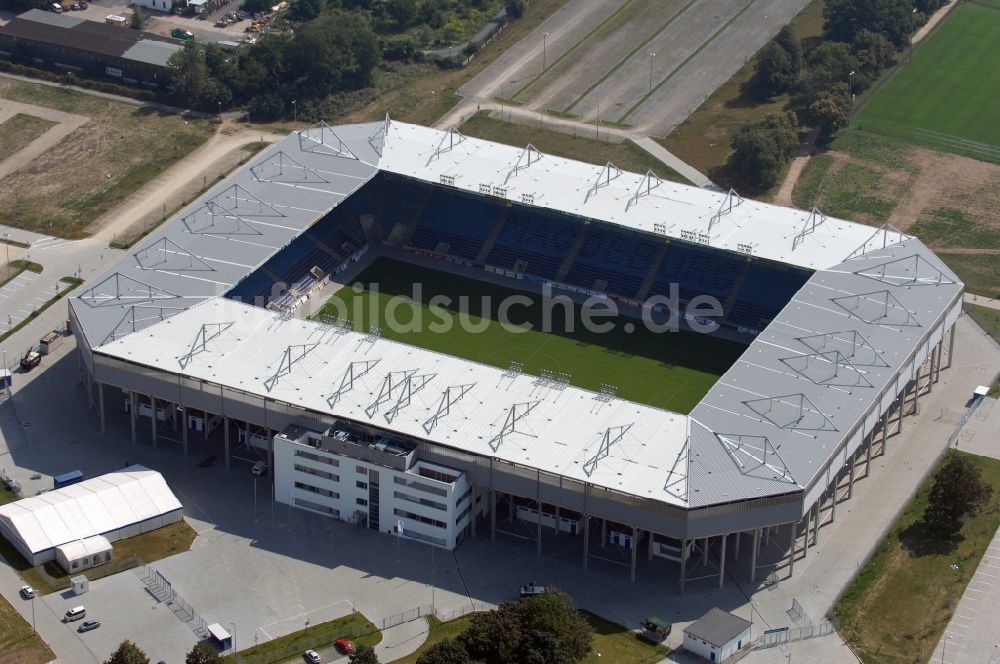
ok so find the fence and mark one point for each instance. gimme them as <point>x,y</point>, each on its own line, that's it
<point>778,636</point>
<point>978,149</point>
<point>311,637</point>
<point>405,617</point>
<point>464,610</point>
<point>161,589</point>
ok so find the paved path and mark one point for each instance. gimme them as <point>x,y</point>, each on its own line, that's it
<point>973,634</point>
<point>982,301</point>
<point>521,115</point>
<point>67,124</point>
<point>673,161</point>
<point>401,640</point>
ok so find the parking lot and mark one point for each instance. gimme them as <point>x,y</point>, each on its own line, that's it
<point>162,23</point>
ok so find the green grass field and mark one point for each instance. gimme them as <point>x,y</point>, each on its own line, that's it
<point>665,370</point>
<point>898,606</point>
<point>950,87</point>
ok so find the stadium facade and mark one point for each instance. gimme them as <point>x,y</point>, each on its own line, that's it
<point>846,326</point>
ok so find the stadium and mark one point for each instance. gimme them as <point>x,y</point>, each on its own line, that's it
<point>746,424</point>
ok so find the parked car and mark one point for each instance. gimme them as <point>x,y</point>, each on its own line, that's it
<point>312,657</point>
<point>344,646</point>
<point>75,613</point>
<point>88,625</point>
<point>259,469</point>
<point>181,33</point>
<point>27,592</point>
<point>530,589</point>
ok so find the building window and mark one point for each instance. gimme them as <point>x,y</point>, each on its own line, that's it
<point>316,457</point>
<point>361,485</point>
<point>362,470</point>
<point>315,489</point>
<point>317,473</point>
<point>422,519</point>
<point>420,501</point>
<point>362,502</point>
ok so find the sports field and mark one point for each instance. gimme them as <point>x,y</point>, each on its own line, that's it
<point>951,85</point>
<point>670,370</point>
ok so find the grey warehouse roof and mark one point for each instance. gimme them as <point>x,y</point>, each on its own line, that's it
<point>799,399</point>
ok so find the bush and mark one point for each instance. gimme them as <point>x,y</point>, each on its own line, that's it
<point>761,149</point>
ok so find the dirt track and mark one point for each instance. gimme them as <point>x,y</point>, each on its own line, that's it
<point>67,124</point>
<point>170,186</point>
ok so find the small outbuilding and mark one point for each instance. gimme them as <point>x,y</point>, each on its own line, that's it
<point>717,636</point>
<point>84,553</point>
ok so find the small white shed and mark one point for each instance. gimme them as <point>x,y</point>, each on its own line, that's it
<point>84,553</point>
<point>717,636</point>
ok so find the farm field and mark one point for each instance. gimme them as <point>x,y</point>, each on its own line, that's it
<point>948,88</point>
<point>95,167</point>
<point>666,370</point>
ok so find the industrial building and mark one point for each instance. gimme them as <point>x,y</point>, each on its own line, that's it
<point>76,524</point>
<point>845,327</point>
<point>76,44</point>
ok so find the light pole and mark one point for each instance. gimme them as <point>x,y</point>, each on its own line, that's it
<point>850,82</point>
<point>651,55</point>
<point>32,597</point>
<point>233,625</point>
<point>545,37</point>
<point>295,111</point>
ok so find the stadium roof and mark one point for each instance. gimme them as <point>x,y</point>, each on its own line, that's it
<point>89,508</point>
<point>769,426</point>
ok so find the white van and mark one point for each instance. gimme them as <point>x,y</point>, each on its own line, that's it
<point>75,613</point>
<point>259,469</point>
<point>56,7</point>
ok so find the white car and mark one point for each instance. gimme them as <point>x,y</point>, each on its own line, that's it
<point>312,657</point>
<point>27,592</point>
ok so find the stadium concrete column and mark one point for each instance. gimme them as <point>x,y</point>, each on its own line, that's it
<point>475,511</point>
<point>684,557</point>
<point>493,505</point>
<point>132,408</point>
<point>736,549</point>
<point>152,402</point>
<point>704,551</point>
<point>100,405</point>
<point>916,393</point>
<point>586,524</point>
<point>753,554</point>
<point>951,345</point>
<point>635,551</point>
<point>225,438</point>
<point>538,502</point>
<point>722,560</point>
<point>184,429</point>
<point>850,482</point>
<point>649,545</point>
<point>899,417</point>
<point>555,530</point>
<point>604,532</point>
<point>793,535</point>
<point>815,525</point>
<point>937,365</point>
<point>885,436</point>
<point>833,495</point>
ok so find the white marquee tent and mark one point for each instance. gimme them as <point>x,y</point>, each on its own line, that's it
<point>117,505</point>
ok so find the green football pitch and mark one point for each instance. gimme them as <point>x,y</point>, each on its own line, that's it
<point>670,370</point>
<point>950,87</point>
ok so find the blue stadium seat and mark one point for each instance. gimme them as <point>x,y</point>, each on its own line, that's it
<point>619,257</point>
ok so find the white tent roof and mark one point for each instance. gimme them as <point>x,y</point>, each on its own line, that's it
<point>92,507</point>
<point>85,547</point>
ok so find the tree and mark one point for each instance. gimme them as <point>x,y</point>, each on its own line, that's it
<point>829,63</point>
<point>958,491</point>
<point>552,612</point>
<point>873,51</point>
<point>773,71</point>
<point>787,40</point>
<point>188,75</point>
<point>494,637</point>
<point>363,655</point>
<point>760,149</point>
<point>831,109</point>
<point>127,653</point>
<point>515,9</point>
<point>402,12</point>
<point>138,18</point>
<point>448,651</point>
<point>305,10</point>
<point>202,654</point>
<point>844,19</point>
